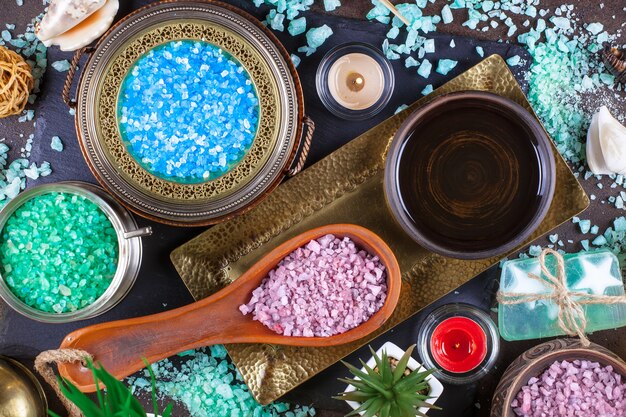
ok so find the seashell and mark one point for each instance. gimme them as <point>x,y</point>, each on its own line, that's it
<point>615,61</point>
<point>75,23</point>
<point>606,144</point>
<point>62,15</point>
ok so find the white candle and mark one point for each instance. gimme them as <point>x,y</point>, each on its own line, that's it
<point>356,81</point>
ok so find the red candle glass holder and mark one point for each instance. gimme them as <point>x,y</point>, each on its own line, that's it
<point>460,341</point>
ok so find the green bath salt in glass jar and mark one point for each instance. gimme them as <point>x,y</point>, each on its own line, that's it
<point>64,252</point>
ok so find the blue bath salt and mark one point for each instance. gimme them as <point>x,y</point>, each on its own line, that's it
<point>188,111</point>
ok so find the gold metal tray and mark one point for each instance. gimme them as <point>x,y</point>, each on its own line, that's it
<point>347,186</point>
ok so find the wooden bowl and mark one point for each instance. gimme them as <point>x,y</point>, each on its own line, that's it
<point>470,175</point>
<point>536,360</point>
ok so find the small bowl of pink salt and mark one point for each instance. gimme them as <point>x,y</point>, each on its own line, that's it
<point>563,378</point>
<point>327,286</point>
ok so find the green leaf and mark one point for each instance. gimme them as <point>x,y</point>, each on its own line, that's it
<point>168,410</point>
<point>155,406</point>
<point>357,396</point>
<point>374,407</point>
<point>360,385</point>
<point>361,408</point>
<point>402,363</point>
<point>384,410</point>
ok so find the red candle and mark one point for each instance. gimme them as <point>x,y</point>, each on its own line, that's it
<point>458,344</point>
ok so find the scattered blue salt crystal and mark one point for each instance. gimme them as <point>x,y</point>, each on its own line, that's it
<point>585,244</point>
<point>425,68</point>
<point>446,14</point>
<point>410,62</point>
<point>514,60</point>
<point>444,66</point>
<point>56,144</point>
<point>480,51</point>
<point>619,224</point>
<point>553,238</point>
<point>276,22</point>
<point>427,90</point>
<point>297,26</point>
<point>295,59</point>
<point>197,122</point>
<point>330,5</point>
<point>20,2</point>
<point>393,32</point>
<point>595,28</point>
<point>594,230</point>
<point>317,36</point>
<point>400,108</point>
<point>452,43</point>
<point>61,66</point>
<point>429,46</point>
<point>6,35</point>
<point>10,26</point>
<point>575,219</point>
<point>584,225</point>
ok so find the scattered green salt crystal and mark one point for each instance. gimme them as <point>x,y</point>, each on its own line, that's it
<point>513,61</point>
<point>410,62</point>
<point>330,5</point>
<point>452,43</point>
<point>208,385</point>
<point>619,223</point>
<point>6,35</point>
<point>277,21</point>
<point>295,59</point>
<point>594,230</point>
<point>534,250</point>
<point>446,14</point>
<point>585,244</point>
<point>561,22</point>
<point>445,66</point>
<point>429,46</point>
<point>599,241</point>
<point>61,66</point>
<point>553,238</point>
<point>584,226</point>
<point>480,51</point>
<point>56,144</point>
<point>50,244</point>
<point>575,219</point>
<point>425,68</point>
<point>427,90</point>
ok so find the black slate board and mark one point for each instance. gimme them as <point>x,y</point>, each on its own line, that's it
<point>158,287</point>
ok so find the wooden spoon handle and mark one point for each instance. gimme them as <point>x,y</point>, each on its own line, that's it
<point>120,346</point>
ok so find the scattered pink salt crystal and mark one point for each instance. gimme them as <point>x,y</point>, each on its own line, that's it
<point>324,288</point>
<point>573,389</point>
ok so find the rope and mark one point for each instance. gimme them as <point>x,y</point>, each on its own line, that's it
<point>571,317</point>
<point>16,81</point>
<point>43,364</point>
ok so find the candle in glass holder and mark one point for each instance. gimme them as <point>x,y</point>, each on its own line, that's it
<point>458,344</point>
<point>356,81</point>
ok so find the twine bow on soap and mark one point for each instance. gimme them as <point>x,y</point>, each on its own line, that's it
<point>571,316</point>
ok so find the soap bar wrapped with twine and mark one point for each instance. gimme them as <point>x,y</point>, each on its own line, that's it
<point>16,82</point>
<point>552,289</point>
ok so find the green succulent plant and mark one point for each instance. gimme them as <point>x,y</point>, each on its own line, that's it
<point>386,391</point>
<point>116,401</point>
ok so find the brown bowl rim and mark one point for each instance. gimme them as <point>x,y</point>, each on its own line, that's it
<point>520,371</point>
<point>280,175</point>
<point>545,159</point>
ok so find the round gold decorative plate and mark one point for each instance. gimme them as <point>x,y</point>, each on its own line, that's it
<point>280,112</point>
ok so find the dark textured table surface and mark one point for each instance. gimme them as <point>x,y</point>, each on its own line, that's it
<point>159,288</point>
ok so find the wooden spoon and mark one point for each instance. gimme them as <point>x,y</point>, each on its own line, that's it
<point>120,345</point>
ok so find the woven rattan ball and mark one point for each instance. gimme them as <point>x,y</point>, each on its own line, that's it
<point>16,81</point>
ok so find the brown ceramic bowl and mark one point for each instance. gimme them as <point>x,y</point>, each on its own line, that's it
<point>470,175</point>
<point>536,360</point>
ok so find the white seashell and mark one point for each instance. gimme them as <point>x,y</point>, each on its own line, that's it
<point>62,15</point>
<point>88,30</point>
<point>606,144</point>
